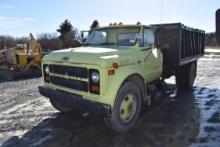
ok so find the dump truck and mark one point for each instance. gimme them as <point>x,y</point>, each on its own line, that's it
<point>111,73</point>
<point>21,61</point>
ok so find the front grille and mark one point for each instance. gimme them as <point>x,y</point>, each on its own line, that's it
<point>70,83</point>
<point>71,77</point>
<point>69,70</point>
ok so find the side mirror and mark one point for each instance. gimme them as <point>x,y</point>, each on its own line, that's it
<point>83,36</point>
<point>138,40</point>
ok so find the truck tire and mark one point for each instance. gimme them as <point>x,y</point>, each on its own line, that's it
<point>126,108</point>
<point>186,75</point>
<point>59,107</point>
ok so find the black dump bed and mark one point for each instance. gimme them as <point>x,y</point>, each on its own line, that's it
<point>180,44</point>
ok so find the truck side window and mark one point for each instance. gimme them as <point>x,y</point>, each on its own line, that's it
<point>148,37</point>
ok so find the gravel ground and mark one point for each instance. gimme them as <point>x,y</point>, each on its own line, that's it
<point>180,119</point>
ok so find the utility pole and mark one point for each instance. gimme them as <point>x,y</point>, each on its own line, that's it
<point>0,44</point>
<point>218,27</point>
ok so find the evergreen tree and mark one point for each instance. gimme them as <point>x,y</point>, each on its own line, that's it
<point>68,34</point>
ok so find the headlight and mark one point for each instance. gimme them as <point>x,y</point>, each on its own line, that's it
<point>47,70</point>
<point>95,77</point>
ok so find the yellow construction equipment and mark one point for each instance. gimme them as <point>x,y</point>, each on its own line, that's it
<point>21,61</point>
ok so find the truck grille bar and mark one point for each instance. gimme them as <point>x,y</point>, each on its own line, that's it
<point>69,70</point>
<point>70,83</point>
<point>60,75</point>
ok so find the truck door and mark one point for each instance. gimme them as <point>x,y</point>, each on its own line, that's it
<point>152,57</point>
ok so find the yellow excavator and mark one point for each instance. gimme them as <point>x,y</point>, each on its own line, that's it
<point>21,61</point>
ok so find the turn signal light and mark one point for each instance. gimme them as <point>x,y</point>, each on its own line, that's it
<point>115,65</point>
<point>95,88</point>
<point>111,72</point>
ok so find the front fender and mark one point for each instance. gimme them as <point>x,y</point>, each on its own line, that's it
<point>113,83</point>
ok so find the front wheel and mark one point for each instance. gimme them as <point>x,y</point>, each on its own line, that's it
<point>126,109</point>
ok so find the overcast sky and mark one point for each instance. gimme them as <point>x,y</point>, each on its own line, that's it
<point>20,17</point>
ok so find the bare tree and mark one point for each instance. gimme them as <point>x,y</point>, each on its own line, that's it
<point>49,41</point>
<point>7,41</point>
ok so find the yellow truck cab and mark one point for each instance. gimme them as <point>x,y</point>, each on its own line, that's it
<point>109,75</point>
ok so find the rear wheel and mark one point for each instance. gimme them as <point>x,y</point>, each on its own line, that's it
<point>60,107</point>
<point>185,76</point>
<point>126,109</point>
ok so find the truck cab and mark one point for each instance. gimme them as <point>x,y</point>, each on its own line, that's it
<point>107,76</point>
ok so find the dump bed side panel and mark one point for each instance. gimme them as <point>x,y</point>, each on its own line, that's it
<point>192,44</point>
<point>180,45</point>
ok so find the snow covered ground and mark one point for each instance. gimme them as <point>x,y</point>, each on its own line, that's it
<point>190,118</point>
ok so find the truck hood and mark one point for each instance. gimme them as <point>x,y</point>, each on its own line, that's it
<point>91,55</point>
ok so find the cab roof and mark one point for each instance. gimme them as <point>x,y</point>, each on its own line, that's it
<point>122,26</point>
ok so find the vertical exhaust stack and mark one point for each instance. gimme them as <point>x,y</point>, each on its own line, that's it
<point>218,27</point>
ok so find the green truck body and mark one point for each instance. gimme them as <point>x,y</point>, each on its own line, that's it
<point>110,74</point>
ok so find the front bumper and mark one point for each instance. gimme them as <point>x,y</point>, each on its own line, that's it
<point>75,101</point>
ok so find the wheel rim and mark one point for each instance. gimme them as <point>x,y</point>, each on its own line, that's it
<point>128,108</point>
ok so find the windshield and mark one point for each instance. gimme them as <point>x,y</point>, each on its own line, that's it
<point>97,37</point>
<point>114,36</point>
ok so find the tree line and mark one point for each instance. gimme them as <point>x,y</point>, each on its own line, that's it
<point>69,36</point>
<point>210,39</point>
